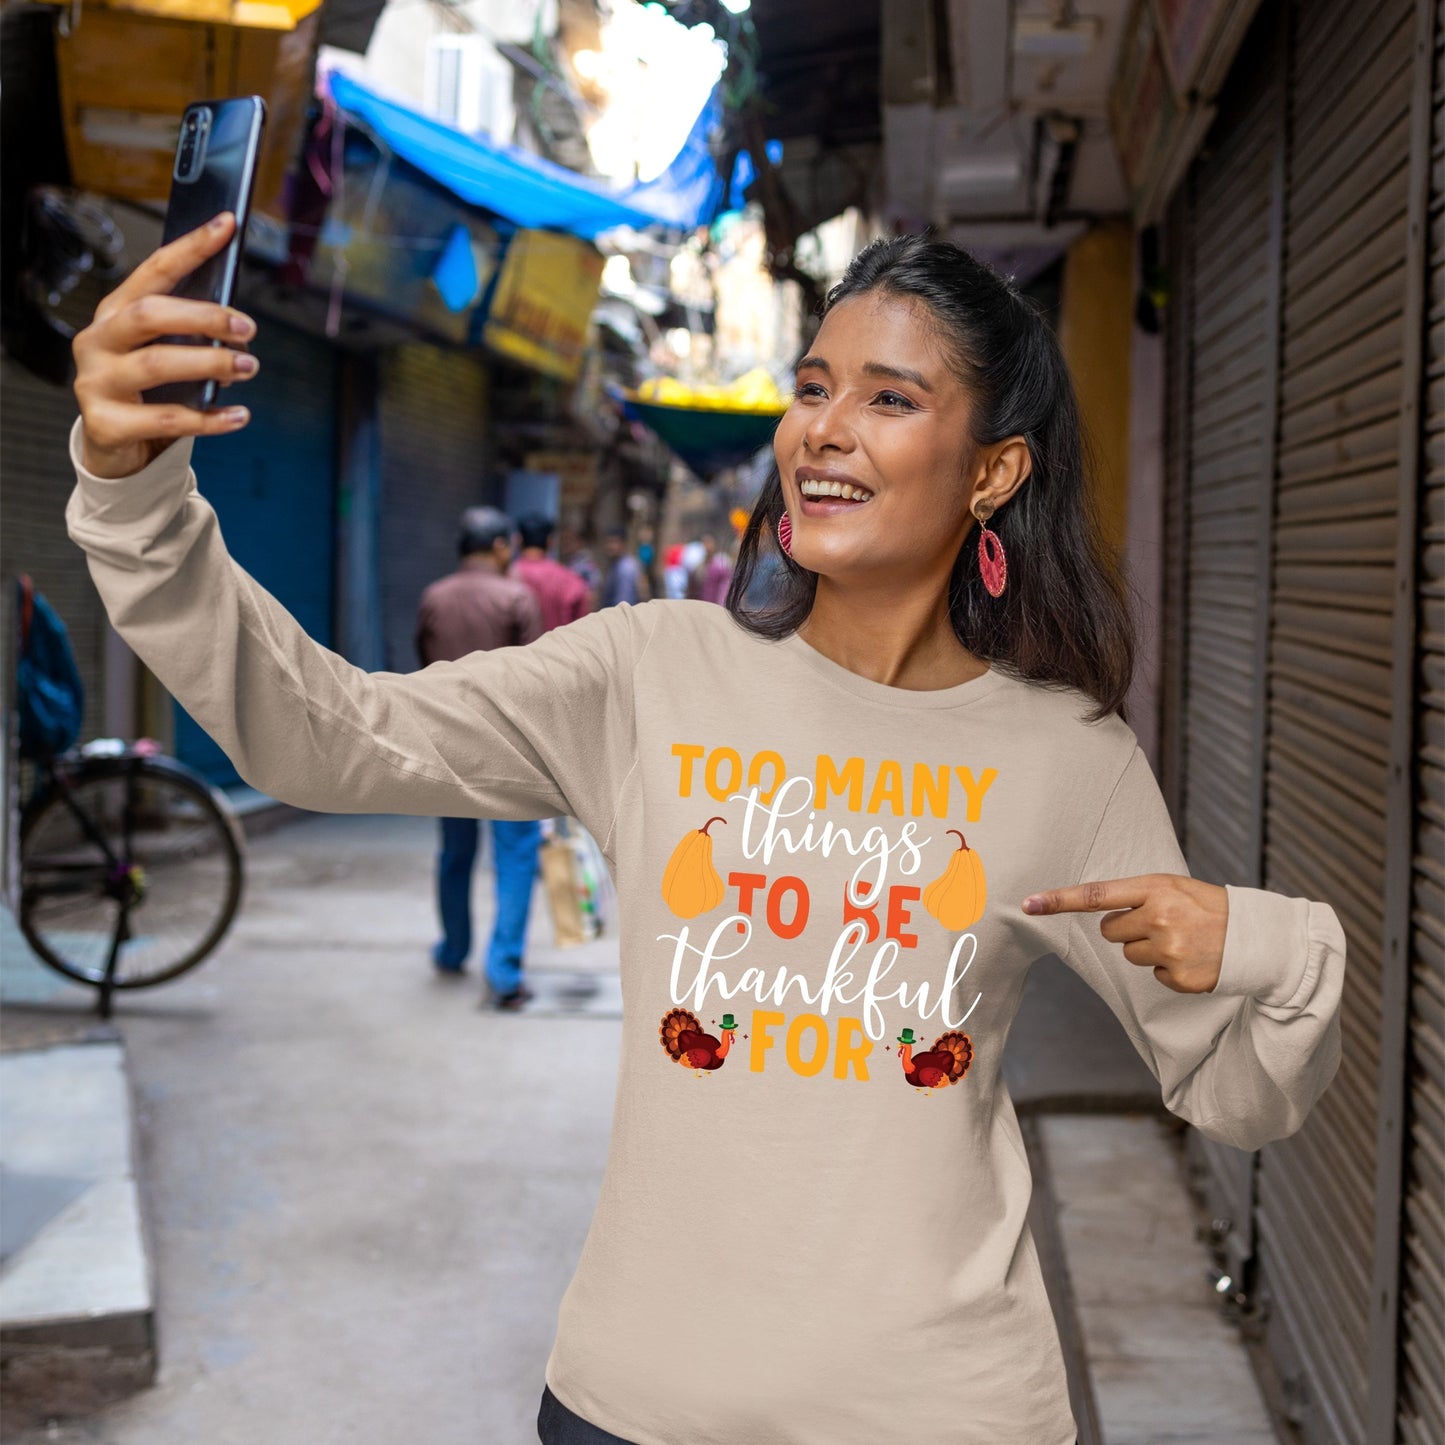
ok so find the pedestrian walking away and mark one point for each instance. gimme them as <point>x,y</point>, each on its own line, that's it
<point>561,594</point>
<point>576,558</point>
<point>624,579</point>
<point>713,575</point>
<point>475,609</point>
<point>843,827</point>
<point>674,574</point>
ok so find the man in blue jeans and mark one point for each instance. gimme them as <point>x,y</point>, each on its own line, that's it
<point>478,608</point>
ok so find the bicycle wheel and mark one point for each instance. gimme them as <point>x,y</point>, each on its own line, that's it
<point>132,853</point>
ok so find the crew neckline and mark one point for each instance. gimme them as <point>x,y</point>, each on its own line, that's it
<point>959,695</point>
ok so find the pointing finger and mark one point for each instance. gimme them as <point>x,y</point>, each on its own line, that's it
<point>1094,897</point>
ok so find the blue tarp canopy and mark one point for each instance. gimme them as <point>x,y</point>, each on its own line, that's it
<point>530,190</point>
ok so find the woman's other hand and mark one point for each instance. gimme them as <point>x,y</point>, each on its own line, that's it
<point>115,360</point>
<point>1169,922</point>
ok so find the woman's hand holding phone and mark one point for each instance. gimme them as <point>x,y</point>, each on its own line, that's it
<point>119,355</point>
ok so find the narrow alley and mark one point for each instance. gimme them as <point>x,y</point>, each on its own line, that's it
<point>365,1194</point>
<point>347,1244</point>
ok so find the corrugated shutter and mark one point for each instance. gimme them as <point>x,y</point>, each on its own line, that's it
<point>1230,317</point>
<point>1349,1217</point>
<point>35,466</point>
<point>1174,583</point>
<point>1421,1410</point>
<point>1330,661</point>
<point>273,488</point>
<point>434,464</point>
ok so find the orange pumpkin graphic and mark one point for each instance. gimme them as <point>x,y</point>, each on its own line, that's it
<point>956,898</point>
<point>690,884</point>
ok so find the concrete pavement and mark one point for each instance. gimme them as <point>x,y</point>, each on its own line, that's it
<point>76,1302</point>
<point>367,1195</point>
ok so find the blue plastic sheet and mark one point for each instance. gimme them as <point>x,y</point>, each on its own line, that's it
<point>530,190</point>
<point>455,272</point>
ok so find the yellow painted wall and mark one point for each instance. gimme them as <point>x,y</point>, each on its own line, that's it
<point>1095,331</point>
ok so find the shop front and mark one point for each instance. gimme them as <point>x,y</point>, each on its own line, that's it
<point>1303,709</point>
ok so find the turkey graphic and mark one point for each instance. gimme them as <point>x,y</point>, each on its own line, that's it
<point>944,1064</point>
<point>686,1043</point>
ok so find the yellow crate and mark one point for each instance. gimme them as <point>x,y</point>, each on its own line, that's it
<point>126,74</point>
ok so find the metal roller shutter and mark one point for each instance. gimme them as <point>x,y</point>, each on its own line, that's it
<point>273,488</point>
<point>1231,318</point>
<point>1174,655</point>
<point>1330,661</point>
<point>35,466</point>
<point>1421,1408</point>
<point>434,464</point>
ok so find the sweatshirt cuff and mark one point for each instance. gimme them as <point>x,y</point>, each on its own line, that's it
<point>1267,946</point>
<point>140,503</point>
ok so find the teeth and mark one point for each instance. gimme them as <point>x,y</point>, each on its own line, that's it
<point>813,487</point>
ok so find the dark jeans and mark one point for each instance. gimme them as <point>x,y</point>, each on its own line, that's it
<point>557,1425</point>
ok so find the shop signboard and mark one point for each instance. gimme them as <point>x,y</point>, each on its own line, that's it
<point>1156,127</point>
<point>1199,39</point>
<point>577,472</point>
<point>542,306</point>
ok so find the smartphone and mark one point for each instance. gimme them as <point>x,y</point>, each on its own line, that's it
<point>214,171</point>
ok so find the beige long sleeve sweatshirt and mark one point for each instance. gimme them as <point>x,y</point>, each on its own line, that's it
<point>811,1229</point>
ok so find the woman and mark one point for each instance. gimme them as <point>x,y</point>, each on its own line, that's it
<point>842,830</point>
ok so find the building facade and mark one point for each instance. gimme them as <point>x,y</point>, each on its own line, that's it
<point>1302,734</point>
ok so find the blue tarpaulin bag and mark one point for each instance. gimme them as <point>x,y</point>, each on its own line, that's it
<point>50,695</point>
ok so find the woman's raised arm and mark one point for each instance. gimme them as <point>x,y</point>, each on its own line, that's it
<point>519,732</point>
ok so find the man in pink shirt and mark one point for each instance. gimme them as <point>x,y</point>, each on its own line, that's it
<point>560,592</point>
<point>478,608</point>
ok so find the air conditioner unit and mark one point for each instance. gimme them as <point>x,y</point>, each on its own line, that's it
<point>469,85</point>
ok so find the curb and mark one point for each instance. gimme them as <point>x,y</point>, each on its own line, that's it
<point>77,1295</point>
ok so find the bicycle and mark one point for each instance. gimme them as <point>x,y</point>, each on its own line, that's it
<point>131,864</point>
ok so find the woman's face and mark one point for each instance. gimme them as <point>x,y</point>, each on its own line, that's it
<point>877,412</point>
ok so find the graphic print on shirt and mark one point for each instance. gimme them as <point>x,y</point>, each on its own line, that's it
<point>944,1064</point>
<point>956,898</point>
<point>755,884</point>
<point>686,1043</point>
<point>690,883</point>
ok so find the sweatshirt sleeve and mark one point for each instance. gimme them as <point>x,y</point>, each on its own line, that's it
<point>1245,1062</point>
<point>520,732</point>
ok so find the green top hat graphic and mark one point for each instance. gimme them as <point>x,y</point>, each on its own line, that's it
<point>906,1037</point>
<point>728,1022</point>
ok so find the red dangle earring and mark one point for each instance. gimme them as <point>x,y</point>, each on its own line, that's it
<point>785,534</point>
<point>992,563</point>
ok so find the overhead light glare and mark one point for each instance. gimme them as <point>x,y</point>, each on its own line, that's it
<point>589,64</point>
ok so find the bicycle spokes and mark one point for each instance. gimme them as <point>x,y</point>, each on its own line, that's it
<point>128,875</point>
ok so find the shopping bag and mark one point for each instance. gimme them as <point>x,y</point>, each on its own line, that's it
<point>560,879</point>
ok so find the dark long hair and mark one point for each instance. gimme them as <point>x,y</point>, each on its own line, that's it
<point>1063,619</point>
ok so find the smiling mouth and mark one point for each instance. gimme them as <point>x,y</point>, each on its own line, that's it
<point>815,489</point>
